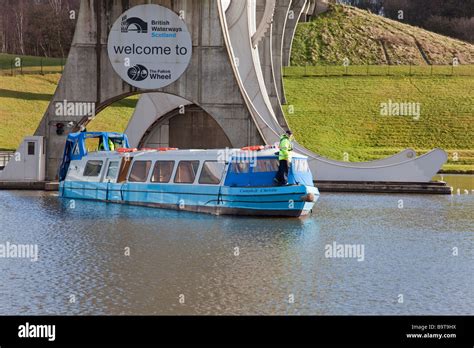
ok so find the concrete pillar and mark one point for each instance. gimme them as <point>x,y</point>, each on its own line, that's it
<point>89,77</point>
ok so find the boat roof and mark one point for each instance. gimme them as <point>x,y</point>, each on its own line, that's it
<point>198,154</point>
<point>85,135</point>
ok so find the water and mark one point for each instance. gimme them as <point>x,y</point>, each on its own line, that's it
<point>82,267</point>
<point>458,182</point>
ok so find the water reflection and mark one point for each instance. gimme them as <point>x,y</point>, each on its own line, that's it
<point>457,181</point>
<point>238,265</point>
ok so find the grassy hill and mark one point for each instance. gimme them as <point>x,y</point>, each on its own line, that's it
<point>334,115</point>
<point>365,38</point>
<point>24,99</point>
<point>331,115</point>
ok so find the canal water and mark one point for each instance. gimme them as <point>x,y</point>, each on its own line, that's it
<point>415,256</point>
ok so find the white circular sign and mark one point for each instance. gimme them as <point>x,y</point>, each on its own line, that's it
<point>149,46</point>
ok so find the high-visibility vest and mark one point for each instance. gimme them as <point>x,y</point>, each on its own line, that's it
<point>111,146</point>
<point>285,148</point>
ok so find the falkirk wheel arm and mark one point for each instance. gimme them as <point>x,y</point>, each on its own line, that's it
<point>296,10</point>
<point>402,167</point>
<point>282,11</point>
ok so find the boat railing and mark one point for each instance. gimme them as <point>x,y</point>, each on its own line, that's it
<point>5,157</point>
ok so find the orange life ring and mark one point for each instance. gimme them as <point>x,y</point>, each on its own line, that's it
<point>253,148</point>
<point>125,150</point>
<point>156,149</point>
<point>167,149</point>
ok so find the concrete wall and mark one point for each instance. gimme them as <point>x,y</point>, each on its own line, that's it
<point>28,162</point>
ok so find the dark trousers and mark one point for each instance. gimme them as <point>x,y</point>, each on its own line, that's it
<point>282,175</point>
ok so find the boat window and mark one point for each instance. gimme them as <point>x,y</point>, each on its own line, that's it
<point>93,168</point>
<point>112,171</point>
<point>118,143</point>
<point>211,172</point>
<point>91,144</point>
<point>266,165</point>
<point>125,165</point>
<point>300,165</point>
<point>31,148</point>
<point>186,172</point>
<point>239,167</point>
<point>162,171</point>
<point>76,150</point>
<point>139,171</point>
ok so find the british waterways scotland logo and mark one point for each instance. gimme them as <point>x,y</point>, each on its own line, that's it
<point>134,24</point>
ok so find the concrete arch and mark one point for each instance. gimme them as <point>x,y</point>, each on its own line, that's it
<point>149,110</point>
<point>152,106</point>
<point>186,128</point>
<point>155,108</point>
<point>89,77</point>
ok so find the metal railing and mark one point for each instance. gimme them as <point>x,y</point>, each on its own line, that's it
<point>5,157</point>
<point>34,65</point>
<point>378,70</point>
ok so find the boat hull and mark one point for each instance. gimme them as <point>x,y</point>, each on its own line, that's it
<point>284,201</point>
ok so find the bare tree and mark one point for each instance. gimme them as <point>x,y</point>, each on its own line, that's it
<point>20,25</point>
<point>56,5</point>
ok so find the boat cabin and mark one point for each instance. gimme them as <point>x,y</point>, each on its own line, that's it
<point>229,167</point>
<point>226,181</point>
<point>78,145</point>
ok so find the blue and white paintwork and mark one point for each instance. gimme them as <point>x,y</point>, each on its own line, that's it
<point>247,193</point>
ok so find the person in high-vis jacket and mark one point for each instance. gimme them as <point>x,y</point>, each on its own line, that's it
<point>101,146</point>
<point>284,156</point>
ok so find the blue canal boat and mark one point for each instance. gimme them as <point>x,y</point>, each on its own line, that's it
<point>101,166</point>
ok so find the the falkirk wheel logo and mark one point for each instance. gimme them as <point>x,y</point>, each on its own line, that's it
<point>138,72</point>
<point>134,24</point>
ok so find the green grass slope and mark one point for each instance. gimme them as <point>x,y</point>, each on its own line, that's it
<point>330,115</point>
<point>365,38</point>
<point>336,115</point>
<point>24,99</point>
